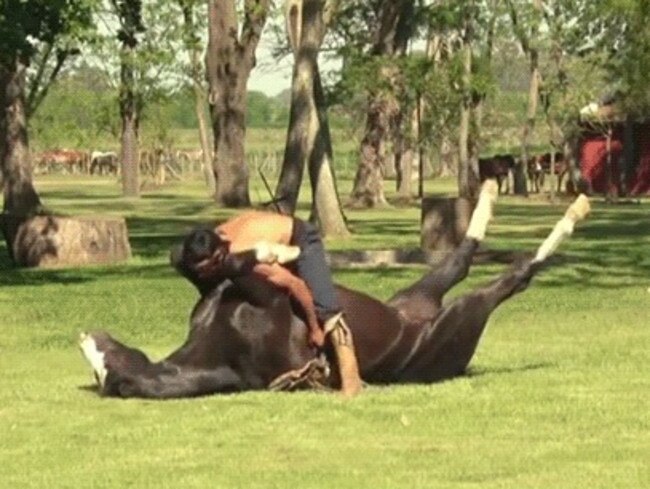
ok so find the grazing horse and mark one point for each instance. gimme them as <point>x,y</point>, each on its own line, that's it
<point>103,163</point>
<point>245,334</point>
<point>540,165</point>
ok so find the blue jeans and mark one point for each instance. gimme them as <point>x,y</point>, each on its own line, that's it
<point>312,267</point>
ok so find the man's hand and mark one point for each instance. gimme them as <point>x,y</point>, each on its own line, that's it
<point>266,252</point>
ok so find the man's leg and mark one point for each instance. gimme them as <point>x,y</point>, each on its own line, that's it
<point>313,269</point>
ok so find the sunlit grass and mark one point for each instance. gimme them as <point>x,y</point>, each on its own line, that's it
<point>557,395</point>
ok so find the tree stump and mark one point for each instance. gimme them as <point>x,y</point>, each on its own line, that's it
<point>57,241</point>
<point>444,222</point>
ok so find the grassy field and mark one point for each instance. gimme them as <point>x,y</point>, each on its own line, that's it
<point>557,395</point>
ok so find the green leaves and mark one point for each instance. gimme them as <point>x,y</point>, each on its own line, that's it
<point>25,24</point>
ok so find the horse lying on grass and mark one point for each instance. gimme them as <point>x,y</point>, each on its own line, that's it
<point>245,334</point>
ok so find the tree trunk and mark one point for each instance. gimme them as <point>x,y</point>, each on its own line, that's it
<point>129,155</point>
<point>464,185</point>
<point>527,44</point>
<point>129,112</point>
<point>200,96</point>
<point>448,165</point>
<point>409,157</point>
<point>302,116</point>
<point>20,198</point>
<point>611,192</point>
<point>325,197</point>
<point>200,108</point>
<point>368,190</point>
<point>55,241</point>
<point>520,187</point>
<point>308,136</point>
<point>392,33</point>
<point>230,59</point>
<point>630,154</point>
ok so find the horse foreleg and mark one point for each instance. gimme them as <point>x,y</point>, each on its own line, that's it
<point>171,382</point>
<point>121,371</point>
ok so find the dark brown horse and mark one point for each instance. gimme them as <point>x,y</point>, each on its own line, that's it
<point>245,334</point>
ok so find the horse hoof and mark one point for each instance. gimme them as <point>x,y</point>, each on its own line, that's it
<point>579,209</point>
<point>94,356</point>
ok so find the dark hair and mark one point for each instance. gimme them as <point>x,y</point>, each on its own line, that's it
<point>201,244</point>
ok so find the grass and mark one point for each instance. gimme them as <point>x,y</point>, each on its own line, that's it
<point>557,395</point>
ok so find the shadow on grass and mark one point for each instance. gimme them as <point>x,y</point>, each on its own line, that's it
<point>482,371</point>
<point>90,388</point>
<point>20,277</point>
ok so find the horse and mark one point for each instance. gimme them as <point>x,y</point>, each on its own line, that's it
<point>497,167</point>
<point>245,334</point>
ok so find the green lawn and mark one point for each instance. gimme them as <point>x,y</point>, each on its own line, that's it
<point>557,396</point>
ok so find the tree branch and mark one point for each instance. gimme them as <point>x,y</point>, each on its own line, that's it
<point>255,13</point>
<point>37,96</point>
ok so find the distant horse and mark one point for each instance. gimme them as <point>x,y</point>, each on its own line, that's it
<point>103,163</point>
<point>498,167</point>
<point>245,334</point>
<point>540,165</point>
<point>64,160</point>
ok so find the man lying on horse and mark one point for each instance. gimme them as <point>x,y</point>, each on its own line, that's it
<point>244,334</point>
<point>289,253</point>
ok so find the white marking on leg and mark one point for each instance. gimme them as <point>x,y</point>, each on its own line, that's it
<point>94,357</point>
<point>483,211</point>
<point>564,227</point>
<point>561,231</point>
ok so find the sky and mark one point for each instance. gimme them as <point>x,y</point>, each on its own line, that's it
<point>270,76</point>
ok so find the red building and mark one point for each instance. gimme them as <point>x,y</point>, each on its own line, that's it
<point>629,152</point>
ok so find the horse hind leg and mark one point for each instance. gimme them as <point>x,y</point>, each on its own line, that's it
<point>425,296</point>
<point>447,346</point>
<point>517,279</point>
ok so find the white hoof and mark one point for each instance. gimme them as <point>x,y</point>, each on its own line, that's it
<point>579,209</point>
<point>482,214</point>
<point>94,357</point>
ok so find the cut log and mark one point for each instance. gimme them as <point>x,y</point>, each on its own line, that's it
<point>57,241</point>
<point>444,222</point>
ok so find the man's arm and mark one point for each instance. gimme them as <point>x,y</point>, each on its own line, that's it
<point>243,262</point>
<point>280,276</point>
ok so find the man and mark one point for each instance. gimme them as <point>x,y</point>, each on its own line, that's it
<point>277,239</point>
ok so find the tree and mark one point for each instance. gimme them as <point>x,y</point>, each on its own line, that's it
<point>146,35</point>
<point>390,33</point>
<point>129,15</point>
<point>573,74</point>
<point>623,26</point>
<point>192,44</point>
<point>308,136</point>
<point>526,20</point>
<point>28,28</point>
<point>229,61</point>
